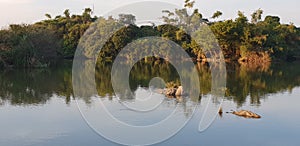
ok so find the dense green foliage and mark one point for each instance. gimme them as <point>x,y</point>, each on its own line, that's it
<point>40,44</point>
<point>28,46</point>
<point>70,28</point>
<point>258,41</point>
<point>239,37</point>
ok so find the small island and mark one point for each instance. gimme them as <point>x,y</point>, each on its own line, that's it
<point>244,41</point>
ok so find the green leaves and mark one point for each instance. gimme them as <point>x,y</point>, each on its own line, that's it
<point>30,46</point>
<point>26,45</point>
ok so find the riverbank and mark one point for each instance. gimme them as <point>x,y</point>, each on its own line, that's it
<point>40,45</point>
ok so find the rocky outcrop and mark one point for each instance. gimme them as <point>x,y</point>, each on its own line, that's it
<point>174,91</point>
<point>170,91</point>
<point>179,91</point>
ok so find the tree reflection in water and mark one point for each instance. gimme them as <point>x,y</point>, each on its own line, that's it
<point>36,86</point>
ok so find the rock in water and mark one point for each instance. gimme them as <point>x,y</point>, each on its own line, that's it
<point>220,110</point>
<point>171,91</point>
<point>246,114</point>
<point>179,91</point>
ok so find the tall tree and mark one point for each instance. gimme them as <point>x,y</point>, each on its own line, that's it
<point>256,16</point>
<point>67,13</point>
<point>217,14</point>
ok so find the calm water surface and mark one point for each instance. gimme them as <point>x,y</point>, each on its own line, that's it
<point>37,106</point>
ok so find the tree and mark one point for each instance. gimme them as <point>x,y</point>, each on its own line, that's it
<point>67,13</point>
<point>86,15</point>
<point>189,4</point>
<point>272,20</point>
<point>127,19</point>
<point>241,18</point>
<point>48,16</point>
<point>256,16</point>
<point>217,14</point>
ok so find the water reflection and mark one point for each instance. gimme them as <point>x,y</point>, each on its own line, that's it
<point>257,82</point>
<point>23,87</point>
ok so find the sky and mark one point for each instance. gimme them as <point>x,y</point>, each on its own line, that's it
<point>30,11</point>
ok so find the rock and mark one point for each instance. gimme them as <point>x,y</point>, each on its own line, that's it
<point>246,114</point>
<point>170,91</point>
<point>179,91</point>
<point>220,110</point>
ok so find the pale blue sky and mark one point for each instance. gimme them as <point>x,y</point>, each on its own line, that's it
<point>29,11</point>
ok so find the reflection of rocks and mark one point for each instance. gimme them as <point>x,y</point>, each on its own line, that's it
<point>180,99</point>
<point>220,112</point>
